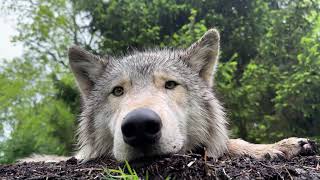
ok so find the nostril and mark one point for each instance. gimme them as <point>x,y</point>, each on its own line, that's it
<point>129,130</point>
<point>152,127</point>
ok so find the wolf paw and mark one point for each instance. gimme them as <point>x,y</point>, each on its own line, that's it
<point>288,148</point>
<point>284,149</point>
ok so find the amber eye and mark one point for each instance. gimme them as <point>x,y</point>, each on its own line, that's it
<point>171,84</point>
<point>118,91</point>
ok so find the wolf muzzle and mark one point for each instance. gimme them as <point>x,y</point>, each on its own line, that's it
<point>141,127</point>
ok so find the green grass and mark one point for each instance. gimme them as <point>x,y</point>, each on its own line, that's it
<point>126,173</point>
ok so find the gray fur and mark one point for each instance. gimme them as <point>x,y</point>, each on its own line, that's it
<point>198,121</point>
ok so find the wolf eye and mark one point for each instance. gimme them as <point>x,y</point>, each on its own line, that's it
<point>118,91</point>
<point>170,84</point>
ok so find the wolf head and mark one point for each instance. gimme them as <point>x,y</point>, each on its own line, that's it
<point>149,103</point>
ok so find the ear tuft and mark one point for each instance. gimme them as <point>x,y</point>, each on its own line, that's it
<point>203,55</point>
<point>76,53</point>
<point>86,67</point>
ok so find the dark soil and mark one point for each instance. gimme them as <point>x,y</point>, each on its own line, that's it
<point>175,166</point>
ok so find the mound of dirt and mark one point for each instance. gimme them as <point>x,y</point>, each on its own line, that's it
<point>191,166</point>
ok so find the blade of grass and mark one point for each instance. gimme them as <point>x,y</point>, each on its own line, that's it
<point>120,173</point>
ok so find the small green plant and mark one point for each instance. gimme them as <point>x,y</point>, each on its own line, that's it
<point>125,173</point>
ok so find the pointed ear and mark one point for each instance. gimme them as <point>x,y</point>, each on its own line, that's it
<point>86,68</point>
<point>202,56</point>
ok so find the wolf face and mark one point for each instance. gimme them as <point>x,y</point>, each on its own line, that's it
<point>149,103</point>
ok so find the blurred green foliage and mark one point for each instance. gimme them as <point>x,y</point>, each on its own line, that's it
<point>268,78</point>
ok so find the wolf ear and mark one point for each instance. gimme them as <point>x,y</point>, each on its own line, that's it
<point>203,55</point>
<point>86,68</point>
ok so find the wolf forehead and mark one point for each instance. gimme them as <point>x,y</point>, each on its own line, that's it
<point>140,64</point>
<point>144,66</point>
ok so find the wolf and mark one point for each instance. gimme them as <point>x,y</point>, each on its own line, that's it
<point>159,102</point>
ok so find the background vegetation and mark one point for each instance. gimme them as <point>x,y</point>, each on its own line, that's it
<point>269,76</point>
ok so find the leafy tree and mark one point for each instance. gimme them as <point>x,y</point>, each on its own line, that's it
<point>297,100</point>
<point>33,105</point>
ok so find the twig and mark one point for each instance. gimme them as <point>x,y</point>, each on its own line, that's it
<point>182,155</point>
<point>288,173</point>
<point>206,165</point>
<point>89,169</point>
<point>205,154</point>
<point>192,162</point>
<point>224,172</point>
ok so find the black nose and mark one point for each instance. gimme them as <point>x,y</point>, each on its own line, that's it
<point>141,127</point>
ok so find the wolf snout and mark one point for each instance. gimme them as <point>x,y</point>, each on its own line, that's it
<point>141,127</point>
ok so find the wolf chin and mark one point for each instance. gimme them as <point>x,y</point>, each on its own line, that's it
<point>159,102</point>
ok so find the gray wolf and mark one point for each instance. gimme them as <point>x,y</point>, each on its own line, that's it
<point>159,102</point>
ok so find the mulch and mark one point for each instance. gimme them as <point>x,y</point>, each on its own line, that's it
<point>191,166</point>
